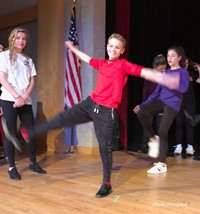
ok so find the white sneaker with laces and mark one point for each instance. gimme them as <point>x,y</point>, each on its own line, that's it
<point>157,168</point>
<point>189,150</point>
<point>154,148</point>
<point>178,149</point>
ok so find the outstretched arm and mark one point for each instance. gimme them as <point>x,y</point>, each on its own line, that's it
<point>79,53</point>
<point>171,81</point>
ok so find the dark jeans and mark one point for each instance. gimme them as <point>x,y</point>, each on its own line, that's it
<point>86,111</point>
<point>168,116</point>
<point>25,114</point>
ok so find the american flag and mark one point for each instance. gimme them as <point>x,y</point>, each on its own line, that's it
<point>73,94</point>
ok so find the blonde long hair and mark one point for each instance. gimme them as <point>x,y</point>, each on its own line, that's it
<point>11,41</point>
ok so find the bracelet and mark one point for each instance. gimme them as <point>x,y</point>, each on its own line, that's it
<point>18,97</point>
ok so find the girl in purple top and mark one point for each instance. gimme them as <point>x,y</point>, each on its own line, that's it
<point>166,101</point>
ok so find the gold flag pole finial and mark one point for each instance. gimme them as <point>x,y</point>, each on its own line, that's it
<point>72,7</point>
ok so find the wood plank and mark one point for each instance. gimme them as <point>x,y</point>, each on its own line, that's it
<point>73,179</point>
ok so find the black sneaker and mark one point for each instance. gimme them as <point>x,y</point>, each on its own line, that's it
<point>35,167</point>
<point>13,173</point>
<point>104,191</point>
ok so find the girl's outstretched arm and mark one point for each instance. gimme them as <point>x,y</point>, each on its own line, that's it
<point>79,53</point>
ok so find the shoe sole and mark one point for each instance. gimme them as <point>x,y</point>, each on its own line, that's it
<point>177,153</point>
<point>98,196</point>
<point>156,172</point>
<point>13,139</point>
<point>16,179</point>
<point>153,156</point>
<point>191,154</point>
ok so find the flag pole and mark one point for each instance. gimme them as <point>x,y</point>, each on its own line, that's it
<point>72,88</point>
<point>72,8</point>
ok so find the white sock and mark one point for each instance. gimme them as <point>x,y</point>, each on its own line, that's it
<point>162,164</point>
<point>10,168</point>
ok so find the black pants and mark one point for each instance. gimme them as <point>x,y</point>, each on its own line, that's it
<point>183,125</point>
<point>25,114</point>
<point>155,124</point>
<point>86,111</point>
<point>169,114</point>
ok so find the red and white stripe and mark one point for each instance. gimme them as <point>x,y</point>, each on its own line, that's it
<point>72,80</point>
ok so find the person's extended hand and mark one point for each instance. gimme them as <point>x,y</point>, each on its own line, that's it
<point>19,102</point>
<point>69,44</point>
<point>197,67</point>
<point>136,109</point>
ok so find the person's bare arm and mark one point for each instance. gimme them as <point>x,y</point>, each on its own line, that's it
<point>79,53</point>
<point>171,81</point>
<point>7,85</point>
<point>29,89</point>
<point>19,101</point>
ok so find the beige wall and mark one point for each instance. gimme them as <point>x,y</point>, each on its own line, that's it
<point>50,84</point>
<point>91,33</point>
<point>53,18</point>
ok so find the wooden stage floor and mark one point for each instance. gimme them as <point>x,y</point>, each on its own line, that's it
<point>73,179</point>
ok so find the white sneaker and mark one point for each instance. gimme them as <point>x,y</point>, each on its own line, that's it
<point>154,148</point>
<point>157,169</point>
<point>189,150</point>
<point>178,149</point>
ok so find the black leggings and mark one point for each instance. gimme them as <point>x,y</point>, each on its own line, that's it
<point>25,114</point>
<point>182,124</point>
<point>86,111</point>
<point>169,114</point>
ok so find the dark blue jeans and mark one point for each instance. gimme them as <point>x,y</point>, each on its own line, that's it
<point>86,111</point>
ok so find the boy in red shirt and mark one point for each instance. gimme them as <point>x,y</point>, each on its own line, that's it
<point>101,106</point>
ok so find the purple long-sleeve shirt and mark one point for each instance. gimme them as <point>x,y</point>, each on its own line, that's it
<point>172,98</point>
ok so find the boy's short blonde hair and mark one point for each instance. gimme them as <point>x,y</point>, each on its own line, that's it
<point>118,37</point>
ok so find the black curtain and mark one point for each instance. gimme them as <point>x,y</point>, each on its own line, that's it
<point>121,25</point>
<point>155,25</point>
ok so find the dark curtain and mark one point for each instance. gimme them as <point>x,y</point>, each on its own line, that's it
<point>150,28</point>
<point>120,24</point>
<point>123,28</point>
<point>154,27</point>
<point>150,36</point>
